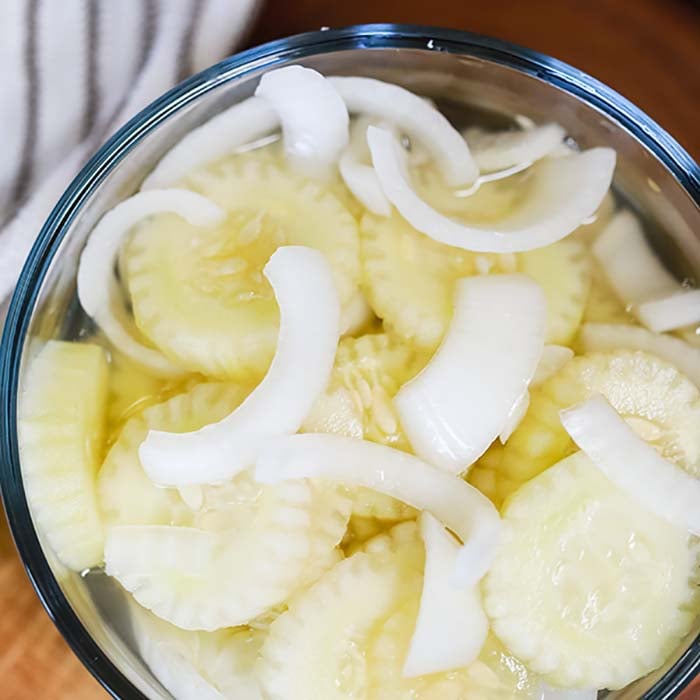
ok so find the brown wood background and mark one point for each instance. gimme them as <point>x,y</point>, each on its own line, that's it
<point>649,50</point>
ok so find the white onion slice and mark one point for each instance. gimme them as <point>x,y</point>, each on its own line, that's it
<point>235,127</point>
<point>632,464</point>
<point>505,149</point>
<point>671,313</point>
<point>456,504</point>
<point>563,193</point>
<point>308,337</point>
<point>359,177</point>
<point>551,693</point>
<point>362,181</point>
<point>454,409</point>
<point>629,263</point>
<point>97,283</point>
<point>554,357</point>
<point>605,337</point>
<point>517,413</point>
<point>313,115</point>
<point>451,627</point>
<point>417,118</point>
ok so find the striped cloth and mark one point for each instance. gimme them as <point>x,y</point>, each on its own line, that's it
<point>73,71</point>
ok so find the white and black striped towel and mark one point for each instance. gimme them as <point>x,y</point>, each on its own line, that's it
<point>75,70</point>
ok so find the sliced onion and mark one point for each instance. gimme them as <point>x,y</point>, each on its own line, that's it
<point>554,357</point>
<point>563,193</point>
<point>417,118</point>
<point>359,177</point>
<point>454,409</point>
<point>551,693</point>
<point>517,413</point>
<point>362,181</point>
<point>308,337</point>
<point>605,337</point>
<point>505,149</point>
<point>671,313</point>
<point>631,266</point>
<point>451,627</point>
<point>456,504</point>
<point>235,127</point>
<point>97,283</point>
<point>313,115</point>
<point>632,464</point>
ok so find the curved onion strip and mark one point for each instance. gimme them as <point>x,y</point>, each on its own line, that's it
<point>451,626</point>
<point>235,127</point>
<point>517,413</point>
<point>308,337</point>
<point>631,266</point>
<point>362,181</point>
<point>454,409</point>
<point>359,177</point>
<point>96,280</point>
<point>314,117</point>
<point>632,464</point>
<point>563,193</point>
<point>417,118</point>
<point>456,504</point>
<point>554,357</point>
<point>671,313</point>
<point>605,337</point>
<point>505,149</point>
<point>551,693</point>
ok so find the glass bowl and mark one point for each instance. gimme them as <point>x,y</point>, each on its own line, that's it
<point>654,174</point>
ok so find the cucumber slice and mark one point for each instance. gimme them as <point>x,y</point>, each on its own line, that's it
<point>653,395</point>
<point>184,574</point>
<point>409,279</point>
<point>368,372</point>
<point>495,675</point>
<point>203,300</point>
<point>62,410</point>
<point>563,272</point>
<point>126,495</point>
<point>588,588</point>
<point>315,650</point>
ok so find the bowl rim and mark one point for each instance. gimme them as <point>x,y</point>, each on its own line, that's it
<point>364,36</point>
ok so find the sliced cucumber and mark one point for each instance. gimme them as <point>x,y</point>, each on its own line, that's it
<point>62,411</point>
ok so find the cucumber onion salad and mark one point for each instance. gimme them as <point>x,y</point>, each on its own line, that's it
<point>370,408</point>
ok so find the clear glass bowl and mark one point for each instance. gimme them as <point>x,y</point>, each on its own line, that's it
<point>654,174</point>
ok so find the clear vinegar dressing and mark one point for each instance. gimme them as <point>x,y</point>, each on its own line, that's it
<point>345,544</point>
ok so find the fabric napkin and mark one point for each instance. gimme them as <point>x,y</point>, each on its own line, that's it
<point>73,71</point>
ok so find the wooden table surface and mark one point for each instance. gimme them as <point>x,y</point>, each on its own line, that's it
<point>648,50</point>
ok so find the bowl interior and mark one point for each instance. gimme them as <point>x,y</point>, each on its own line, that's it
<point>469,83</point>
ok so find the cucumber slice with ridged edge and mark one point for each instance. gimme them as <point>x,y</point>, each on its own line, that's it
<point>203,299</point>
<point>239,511</point>
<point>127,496</point>
<point>62,415</point>
<point>588,588</point>
<point>368,372</point>
<point>657,400</point>
<point>315,650</point>
<point>410,279</point>
<point>495,674</point>
<point>199,665</point>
